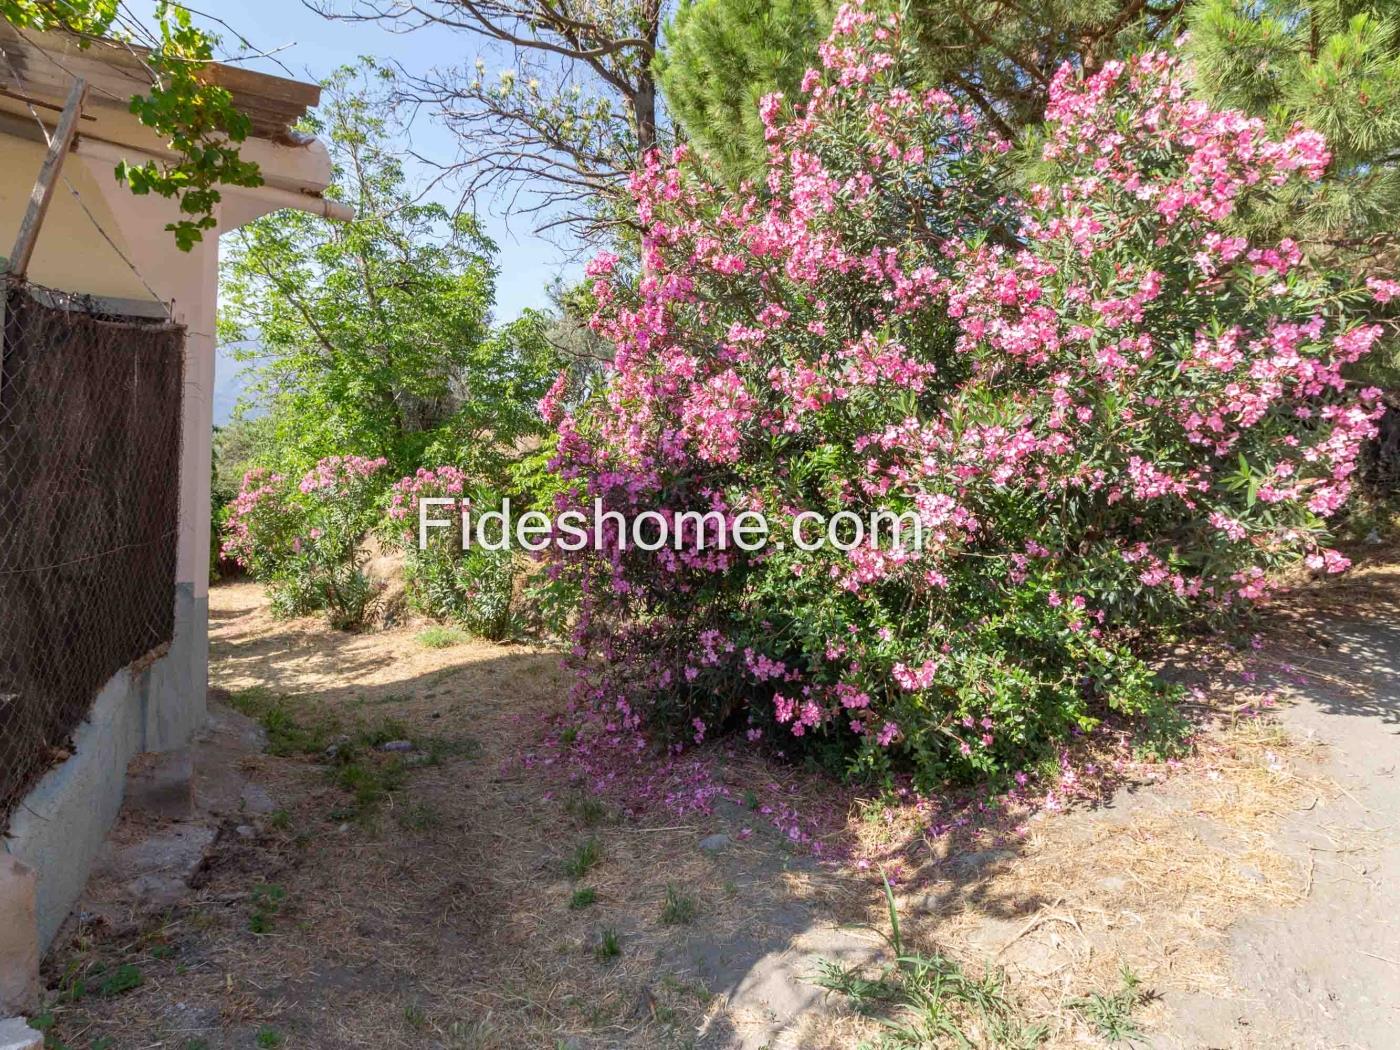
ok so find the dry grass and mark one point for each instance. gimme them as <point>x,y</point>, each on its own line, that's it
<point>444,919</point>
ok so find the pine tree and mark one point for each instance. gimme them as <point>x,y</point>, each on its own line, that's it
<point>1333,65</point>
<point>722,57</point>
<point>999,56</point>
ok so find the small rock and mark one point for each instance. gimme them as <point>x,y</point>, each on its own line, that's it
<point>397,745</point>
<point>245,831</point>
<point>934,903</point>
<point>714,843</point>
<point>1114,883</point>
<point>255,799</point>
<point>16,1035</point>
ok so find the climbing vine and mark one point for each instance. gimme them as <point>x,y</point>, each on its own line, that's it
<point>198,120</point>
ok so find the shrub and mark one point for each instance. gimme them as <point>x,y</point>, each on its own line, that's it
<point>1110,414</point>
<point>474,587</point>
<point>260,523</point>
<point>305,541</point>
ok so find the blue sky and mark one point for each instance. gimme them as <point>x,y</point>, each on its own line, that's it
<point>311,47</point>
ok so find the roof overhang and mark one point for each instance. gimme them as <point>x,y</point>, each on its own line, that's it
<point>37,70</point>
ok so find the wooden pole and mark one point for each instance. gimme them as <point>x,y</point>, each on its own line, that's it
<point>42,193</point>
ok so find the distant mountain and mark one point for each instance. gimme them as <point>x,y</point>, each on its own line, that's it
<point>231,381</point>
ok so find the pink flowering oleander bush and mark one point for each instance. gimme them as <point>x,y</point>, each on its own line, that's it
<point>474,587</point>
<point>1112,415</point>
<point>304,538</point>
<point>260,523</point>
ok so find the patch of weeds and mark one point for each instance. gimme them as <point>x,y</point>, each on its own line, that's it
<point>441,637</point>
<point>108,984</point>
<point>289,730</point>
<point>279,820</point>
<point>584,858</point>
<point>586,809</point>
<point>268,899</point>
<point>608,946</point>
<point>930,1000</point>
<point>1112,1015</point>
<point>196,1044</point>
<point>439,750</point>
<point>294,728</point>
<point>369,779</point>
<point>750,800</point>
<point>583,897</point>
<point>417,816</point>
<point>78,982</point>
<point>679,909</point>
<point>381,732</point>
<point>414,1016</point>
<point>693,990</point>
<point>568,736</point>
<point>269,1037</point>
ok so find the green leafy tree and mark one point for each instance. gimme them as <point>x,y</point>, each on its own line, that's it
<point>198,119</point>
<point>722,57</point>
<point>374,337</point>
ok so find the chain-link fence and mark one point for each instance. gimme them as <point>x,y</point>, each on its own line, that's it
<point>89,501</point>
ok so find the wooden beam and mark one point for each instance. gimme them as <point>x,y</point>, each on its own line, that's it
<point>42,194</point>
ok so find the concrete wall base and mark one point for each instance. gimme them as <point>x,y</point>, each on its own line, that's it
<point>15,1034</point>
<point>59,827</point>
<point>19,940</point>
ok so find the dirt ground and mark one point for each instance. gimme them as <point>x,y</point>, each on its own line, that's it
<point>391,854</point>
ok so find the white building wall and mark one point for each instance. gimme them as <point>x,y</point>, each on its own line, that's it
<point>58,829</point>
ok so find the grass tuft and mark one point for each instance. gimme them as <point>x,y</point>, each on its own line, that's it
<point>584,859</point>
<point>608,947</point>
<point>439,636</point>
<point>679,909</point>
<point>1112,1015</point>
<point>930,1000</point>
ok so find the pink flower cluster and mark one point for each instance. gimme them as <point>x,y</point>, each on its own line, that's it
<point>1105,408</point>
<point>446,482</point>
<point>338,473</point>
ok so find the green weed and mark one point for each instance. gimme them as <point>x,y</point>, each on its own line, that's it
<point>930,1000</point>
<point>1112,1015</point>
<point>268,899</point>
<point>608,947</point>
<point>679,908</point>
<point>584,858</point>
<point>440,637</point>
